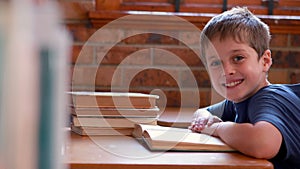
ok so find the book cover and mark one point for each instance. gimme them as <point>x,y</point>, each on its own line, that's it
<point>113,99</point>
<point>159,138</point>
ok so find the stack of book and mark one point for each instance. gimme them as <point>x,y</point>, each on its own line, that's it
<point>111,113</point>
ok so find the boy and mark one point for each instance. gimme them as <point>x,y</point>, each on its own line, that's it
<point>259,119</point>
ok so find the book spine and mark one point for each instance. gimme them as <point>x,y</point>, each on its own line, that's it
<point>111,122</point>
<point>98,112</point>
<point>46,110</point>
<point>114,102</point>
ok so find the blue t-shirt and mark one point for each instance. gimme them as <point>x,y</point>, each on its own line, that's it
<point>280,106</point>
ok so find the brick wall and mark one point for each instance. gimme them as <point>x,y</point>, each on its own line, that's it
<point>155,63</point>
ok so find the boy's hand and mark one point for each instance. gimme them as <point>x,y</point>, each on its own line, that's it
<point>202,119</point>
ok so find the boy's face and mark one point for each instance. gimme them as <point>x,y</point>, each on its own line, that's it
<point>234,69</point>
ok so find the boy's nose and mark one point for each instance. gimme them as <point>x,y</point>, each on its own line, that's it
<point>228,69</point>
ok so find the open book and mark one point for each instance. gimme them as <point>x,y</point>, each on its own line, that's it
<point>178,139</point>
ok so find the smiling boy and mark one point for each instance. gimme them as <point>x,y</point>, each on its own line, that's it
<point>259,119</point>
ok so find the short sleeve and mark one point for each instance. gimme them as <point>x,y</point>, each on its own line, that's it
<point>280,108</point>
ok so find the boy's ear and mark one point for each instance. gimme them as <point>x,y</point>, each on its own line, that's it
<point>267,60</point>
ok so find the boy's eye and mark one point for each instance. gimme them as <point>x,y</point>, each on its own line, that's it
<point>238,58</point>
<point>215,63</point>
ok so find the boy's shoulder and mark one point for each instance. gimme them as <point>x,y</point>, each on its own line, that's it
<point>285,87</point>
<point>281,89</point>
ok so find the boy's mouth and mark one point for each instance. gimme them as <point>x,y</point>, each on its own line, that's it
<point>232,83</point>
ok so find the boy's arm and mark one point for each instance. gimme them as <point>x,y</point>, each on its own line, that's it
<point>261,140</point>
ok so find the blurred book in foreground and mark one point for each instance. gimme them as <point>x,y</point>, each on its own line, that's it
<point>34,56</point>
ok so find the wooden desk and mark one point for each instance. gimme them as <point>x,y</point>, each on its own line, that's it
<point>124,152</point>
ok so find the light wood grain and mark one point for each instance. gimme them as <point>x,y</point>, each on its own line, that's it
<point>121,152</point>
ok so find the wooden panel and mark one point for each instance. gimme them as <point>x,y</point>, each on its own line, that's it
<point>196,11</point>
<point>244,3</point>
<point>108,4</point>
<point>278,24</point>
<point>140,6</point>
<point>203,2</point>
<point>290,3</point>
<point>286,7</point>
<point>147,1</point>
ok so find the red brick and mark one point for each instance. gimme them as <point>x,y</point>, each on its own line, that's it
<point>295,40</point>
<point>107,35</point>
<point>151,38</point>
<point>190,38</point>
<point>205,98</point>
<point>82,55</point>
<point>195,77</point>
<point>173,98</point>
<point>215,97</point>
<point>70,74</point>
<point>279,76</point>
<point>108,76</point>
<point>137,39</point>
<point>286,59</point>
<point>279,40</point>
<point>150,77</point>
<point>190,98</point>
<point>184,56</point>
<point>294,76</point>
<point>187,98</point>
<point>84,75</point>
<point>81,32</point>
<point>130,55</point>
<point>93,76</point>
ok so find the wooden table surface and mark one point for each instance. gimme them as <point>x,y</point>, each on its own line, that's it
<point>125,152</point>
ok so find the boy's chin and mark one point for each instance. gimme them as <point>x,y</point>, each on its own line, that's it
<point>235,99</point>
<point>230,96</point>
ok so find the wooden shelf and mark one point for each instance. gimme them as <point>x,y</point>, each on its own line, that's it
<point>162,20</point>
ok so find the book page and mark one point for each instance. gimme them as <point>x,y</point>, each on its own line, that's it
<point>170,138</point>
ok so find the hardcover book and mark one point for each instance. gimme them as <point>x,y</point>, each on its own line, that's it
<point>114,112</point>
<point>100,131</point>
<point>113,122</point>
<point>113,100</point>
